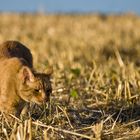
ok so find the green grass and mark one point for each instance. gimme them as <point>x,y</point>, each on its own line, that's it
<point>96,79</point>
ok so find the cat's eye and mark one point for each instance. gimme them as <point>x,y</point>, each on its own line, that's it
<point>38,90</point>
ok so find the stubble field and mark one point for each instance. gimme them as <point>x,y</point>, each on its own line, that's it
<point>96,76</point>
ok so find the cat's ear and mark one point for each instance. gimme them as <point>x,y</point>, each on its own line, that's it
<point>49,70</point>
<point>27,74</point>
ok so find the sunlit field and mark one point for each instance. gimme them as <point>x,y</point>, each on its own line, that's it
<point>96,76</point>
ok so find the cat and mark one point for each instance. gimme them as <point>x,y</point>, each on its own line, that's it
<point>19,83</point>
<point>10,49</point>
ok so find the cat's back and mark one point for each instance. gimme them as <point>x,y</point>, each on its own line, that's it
<point>11,49</point>
<point>11,66</point>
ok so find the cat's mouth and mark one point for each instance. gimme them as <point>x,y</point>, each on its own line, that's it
<point>39,102</point>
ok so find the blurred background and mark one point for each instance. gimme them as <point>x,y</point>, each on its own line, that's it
<point>62,6</point>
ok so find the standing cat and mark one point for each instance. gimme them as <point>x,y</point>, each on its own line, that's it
<point>19,83</point>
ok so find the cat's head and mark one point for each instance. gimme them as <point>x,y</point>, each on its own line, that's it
<point>34,87</point>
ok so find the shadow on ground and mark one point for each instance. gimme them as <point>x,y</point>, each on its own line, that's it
<point>91,116</point>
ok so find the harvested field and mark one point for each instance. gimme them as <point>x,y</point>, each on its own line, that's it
<point>96,78</point>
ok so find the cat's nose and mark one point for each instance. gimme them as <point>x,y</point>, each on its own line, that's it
<point>44,97</point>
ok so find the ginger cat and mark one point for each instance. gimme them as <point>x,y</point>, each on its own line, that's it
<point>19,83</point>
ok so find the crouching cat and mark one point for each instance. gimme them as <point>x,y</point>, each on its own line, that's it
<point>19,83</point>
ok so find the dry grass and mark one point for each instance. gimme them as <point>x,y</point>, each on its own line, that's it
<point>96,80</point>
